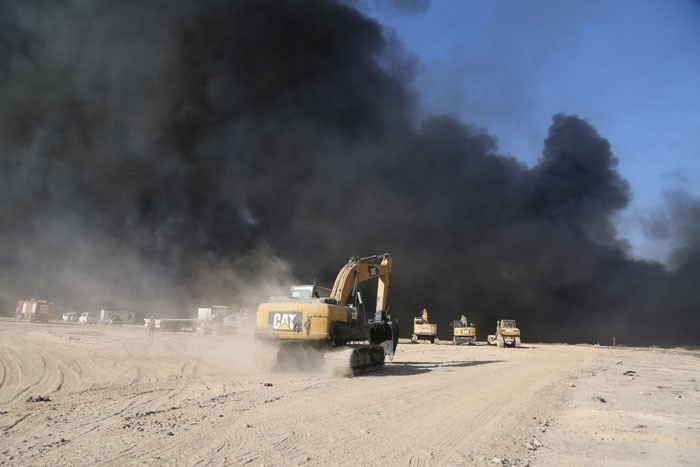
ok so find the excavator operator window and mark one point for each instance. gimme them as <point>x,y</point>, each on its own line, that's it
<point>302,292</point>
<point>306,292</point>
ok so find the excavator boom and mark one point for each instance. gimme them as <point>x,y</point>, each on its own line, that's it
<point>358,270</point>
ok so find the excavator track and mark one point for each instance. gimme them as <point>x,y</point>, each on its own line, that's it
<point>352,360</point>
<point>347,360</point>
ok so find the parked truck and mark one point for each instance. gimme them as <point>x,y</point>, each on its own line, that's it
<point>34,310</point>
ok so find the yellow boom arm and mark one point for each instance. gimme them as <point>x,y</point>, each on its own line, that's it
<point>363,269</point>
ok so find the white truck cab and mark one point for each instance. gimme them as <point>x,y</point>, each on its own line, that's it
<point>89,317</point>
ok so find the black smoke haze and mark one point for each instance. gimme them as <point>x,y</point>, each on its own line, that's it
<point>171,154</point>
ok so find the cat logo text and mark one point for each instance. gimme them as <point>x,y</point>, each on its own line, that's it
<point>289,322</point>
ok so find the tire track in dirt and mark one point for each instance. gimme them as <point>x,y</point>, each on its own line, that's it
<point>12,388</point>
<point>217,436</point>
<point>11,369</point>
<point>185,388</point>
<point>371,414</point>
<point>455,413</point>
<point>53,377</point>
<point>3,368</point>
<point>287,442</point>
<point>21,357</point>
<point>225,418</point>
<point>15,423</point>
<point>150,389</point>
<point>371,419</point>
<point>483,407</point>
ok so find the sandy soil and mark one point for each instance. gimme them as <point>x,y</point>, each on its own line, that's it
<point>117,397</point>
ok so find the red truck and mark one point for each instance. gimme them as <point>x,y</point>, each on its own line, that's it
<point>34,310</point>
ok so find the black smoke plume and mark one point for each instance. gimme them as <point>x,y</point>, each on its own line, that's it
<point>169,154</point>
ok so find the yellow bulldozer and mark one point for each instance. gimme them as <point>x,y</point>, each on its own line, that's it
<point>507,334</point>
<point>313,322</point>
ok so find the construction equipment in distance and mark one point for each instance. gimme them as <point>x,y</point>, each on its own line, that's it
<point>463,332</point>
<point>210,320</point>
<point>422,329</point>
<point>314,318</point>
<point>221,320</point>
<point>507,334</point>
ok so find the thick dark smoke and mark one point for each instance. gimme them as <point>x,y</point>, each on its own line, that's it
<point>164,155</point>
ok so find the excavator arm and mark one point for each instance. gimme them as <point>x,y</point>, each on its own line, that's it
<point>359,270</point>
<point>383,331</point>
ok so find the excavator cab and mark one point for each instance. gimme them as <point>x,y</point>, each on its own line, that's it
<point>305,292</point>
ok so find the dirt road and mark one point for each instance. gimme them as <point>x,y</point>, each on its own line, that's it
<point>116,397</point>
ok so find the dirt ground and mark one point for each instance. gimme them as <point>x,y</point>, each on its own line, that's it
<point>95,395</point>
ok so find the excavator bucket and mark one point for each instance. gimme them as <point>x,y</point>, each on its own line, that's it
<point>385,335</point>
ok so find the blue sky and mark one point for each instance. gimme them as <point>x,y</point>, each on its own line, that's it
<point>631,68</point>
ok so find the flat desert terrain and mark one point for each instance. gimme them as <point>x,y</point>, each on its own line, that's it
<point>95,395</point>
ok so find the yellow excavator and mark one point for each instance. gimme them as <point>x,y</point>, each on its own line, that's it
<point>463,332</point>
<point>314,321</point>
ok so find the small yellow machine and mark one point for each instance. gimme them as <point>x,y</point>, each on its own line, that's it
<point>507,334</point>
<point>422,329</point>
<point>463,332</point>
<point>316,318</point>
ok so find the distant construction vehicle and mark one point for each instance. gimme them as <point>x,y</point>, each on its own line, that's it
<point>422,329</point>
<point>210,320</point>
<point>463,332</point>
<point>221,320</point>
<point>315,318</point>
<point>507,334</point>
